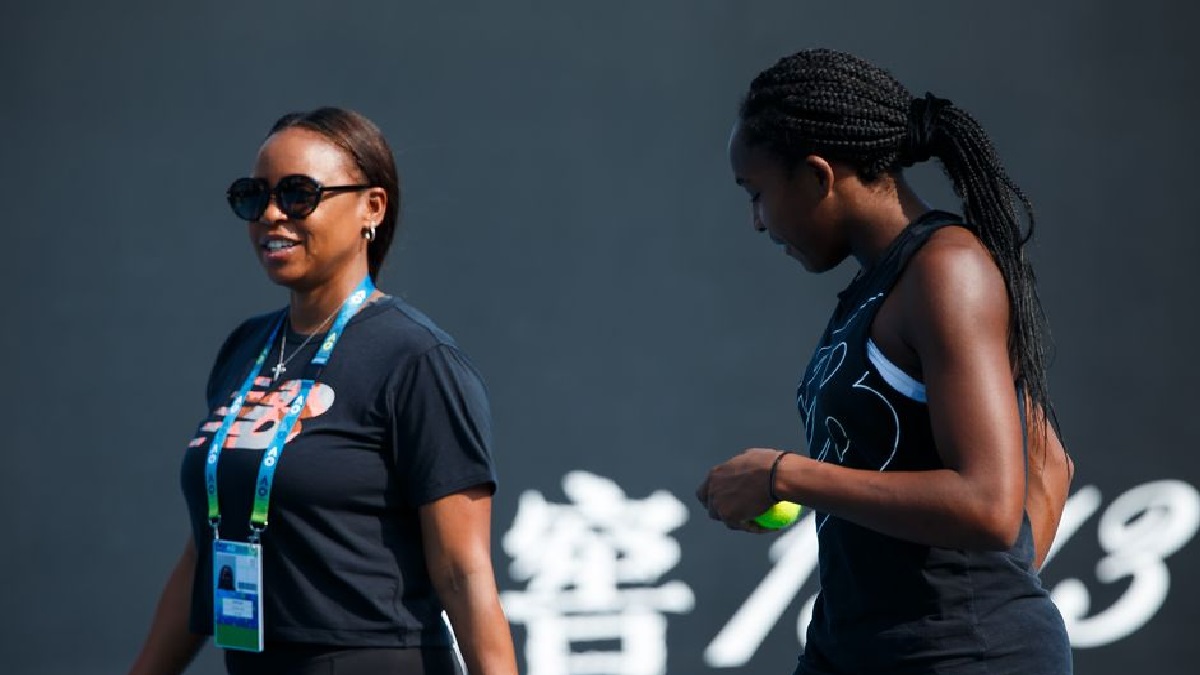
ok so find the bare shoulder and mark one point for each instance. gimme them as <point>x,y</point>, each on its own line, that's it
<point>953,285</point>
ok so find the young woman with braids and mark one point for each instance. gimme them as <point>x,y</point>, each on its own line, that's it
<point>935,472</point>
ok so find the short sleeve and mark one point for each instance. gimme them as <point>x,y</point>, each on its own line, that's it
<point>441,429</point>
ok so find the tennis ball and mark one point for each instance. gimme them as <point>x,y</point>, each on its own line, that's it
<point>779,516</point>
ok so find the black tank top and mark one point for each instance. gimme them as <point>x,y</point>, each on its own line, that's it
<point>888,605</point>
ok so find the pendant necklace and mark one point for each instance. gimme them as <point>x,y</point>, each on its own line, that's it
<point>281,367</point>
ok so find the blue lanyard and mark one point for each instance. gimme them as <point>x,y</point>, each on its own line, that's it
<point>270,460</point>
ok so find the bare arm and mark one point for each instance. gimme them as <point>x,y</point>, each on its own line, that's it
<point>956,313</point>
<point>170,645</point>
<point>457,542</point>
<point>1050,473</point>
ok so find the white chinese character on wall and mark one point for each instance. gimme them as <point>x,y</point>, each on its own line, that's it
<point>593,602</point>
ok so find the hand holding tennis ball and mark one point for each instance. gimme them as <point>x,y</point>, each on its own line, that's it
<point>732,492</point>
<point>778,516</point>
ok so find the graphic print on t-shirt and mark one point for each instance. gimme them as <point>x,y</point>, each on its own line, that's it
<point>833,440</point>
<point>262,412</point>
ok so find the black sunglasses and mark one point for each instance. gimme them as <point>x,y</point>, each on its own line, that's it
<point>296,195</point>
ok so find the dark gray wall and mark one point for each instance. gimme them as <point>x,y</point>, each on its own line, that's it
<point>569,216</point>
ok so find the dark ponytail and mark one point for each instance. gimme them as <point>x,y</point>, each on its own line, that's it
<point>845,109</point>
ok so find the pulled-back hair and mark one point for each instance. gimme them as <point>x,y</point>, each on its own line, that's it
<point>840,107</point>
<point>363,143</point>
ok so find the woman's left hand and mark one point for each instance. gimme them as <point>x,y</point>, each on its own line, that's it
<point>737,490</point>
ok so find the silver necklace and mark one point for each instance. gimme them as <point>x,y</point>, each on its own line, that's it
<point>281,367</point>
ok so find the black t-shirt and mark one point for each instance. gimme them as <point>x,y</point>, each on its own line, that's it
<point>888,605</point>
<point>397,418</point>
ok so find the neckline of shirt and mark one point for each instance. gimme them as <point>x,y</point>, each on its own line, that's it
<point>369,309</point>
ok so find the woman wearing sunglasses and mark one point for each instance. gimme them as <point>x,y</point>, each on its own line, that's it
<point>344,474</point>
<point>935,474</point>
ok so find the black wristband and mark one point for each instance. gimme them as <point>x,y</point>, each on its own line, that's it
<point>771,478</point>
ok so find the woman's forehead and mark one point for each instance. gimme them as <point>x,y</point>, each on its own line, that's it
<point>303,151</point>
<point>746,158</point>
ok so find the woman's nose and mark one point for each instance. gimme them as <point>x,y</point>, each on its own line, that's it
<point>273,213</point>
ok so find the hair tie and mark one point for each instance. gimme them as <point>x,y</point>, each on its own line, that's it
<point>922,123</point>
